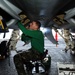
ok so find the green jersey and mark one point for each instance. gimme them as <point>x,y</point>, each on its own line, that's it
<point>37,38</point>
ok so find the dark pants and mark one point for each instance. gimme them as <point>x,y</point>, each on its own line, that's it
<point>21,58</point>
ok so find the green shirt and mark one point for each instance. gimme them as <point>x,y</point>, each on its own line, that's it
<point>37,38</point>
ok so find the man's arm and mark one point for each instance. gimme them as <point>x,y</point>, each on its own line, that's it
<point>24,37</point>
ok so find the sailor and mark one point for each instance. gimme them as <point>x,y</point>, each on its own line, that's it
<point>68,40</point>
<point>14,39</point>
<point>37,46</point>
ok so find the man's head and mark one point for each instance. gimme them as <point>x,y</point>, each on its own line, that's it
<point>35,25</point>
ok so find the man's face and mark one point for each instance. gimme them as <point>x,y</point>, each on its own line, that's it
<point>33,26</point>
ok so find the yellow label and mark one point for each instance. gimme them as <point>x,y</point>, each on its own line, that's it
<point>1,24</point>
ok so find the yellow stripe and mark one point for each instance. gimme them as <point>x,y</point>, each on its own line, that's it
<point>1,24</point>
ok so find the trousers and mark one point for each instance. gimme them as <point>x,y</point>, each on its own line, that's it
<point>21,58</point>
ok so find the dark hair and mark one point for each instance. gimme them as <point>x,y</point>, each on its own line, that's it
<point>38,23</point>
